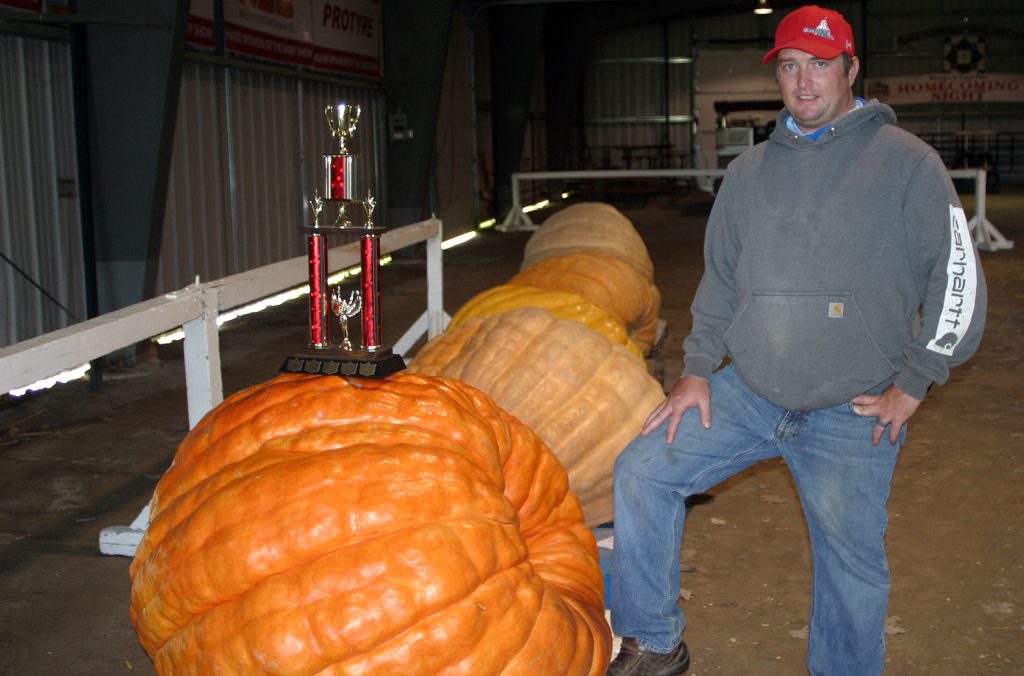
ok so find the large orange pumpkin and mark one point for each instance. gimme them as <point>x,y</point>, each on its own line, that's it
<point>589,227</point>
<point>583,395</point>
<point>611,284</point>
<point>398,526</point>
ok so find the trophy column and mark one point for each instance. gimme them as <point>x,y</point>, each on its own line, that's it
<point>371,359</point>
<point>369,260</point>
<point>319,314</point>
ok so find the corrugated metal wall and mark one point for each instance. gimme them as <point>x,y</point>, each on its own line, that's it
<point>39,226</point>
<point>246,159</point>
<point>637,98</point>
<point>198,213</point>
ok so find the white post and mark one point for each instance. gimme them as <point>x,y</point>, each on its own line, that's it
<point>986,236</point>
<point>124,540</point>
<point>981,236</point>
<point>204,389</point>
<point>435,284</point>
<point>516,218</point>
<point>203,382</point>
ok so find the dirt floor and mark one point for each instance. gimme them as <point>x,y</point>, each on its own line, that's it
<point>73,461</point>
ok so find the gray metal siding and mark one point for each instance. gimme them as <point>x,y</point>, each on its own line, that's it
<point>39,227</point>
<point>630,90</point>
<point>195,240</point>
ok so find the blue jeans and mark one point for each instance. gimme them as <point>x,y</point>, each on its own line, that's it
<point>843,483</point>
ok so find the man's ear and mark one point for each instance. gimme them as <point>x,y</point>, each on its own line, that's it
<point>854,69</point>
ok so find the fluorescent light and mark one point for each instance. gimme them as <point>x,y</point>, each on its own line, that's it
<point>763,7</point>
<point>455,241</point>
<point>47,383</point>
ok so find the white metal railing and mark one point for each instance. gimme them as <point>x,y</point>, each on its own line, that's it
<point>195,309</point>
<point>517,219</point>
<point>986,236</point>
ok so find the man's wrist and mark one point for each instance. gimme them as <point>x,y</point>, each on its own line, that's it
<point>698,366</point>
<point>912,384</point>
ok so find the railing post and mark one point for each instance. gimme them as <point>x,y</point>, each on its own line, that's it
<point>203,382</point>
<point>981,235</point>
<point>435,283</point>
<point>517,219</point>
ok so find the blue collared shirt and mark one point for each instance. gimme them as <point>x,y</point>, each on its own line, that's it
<point>817,133</point>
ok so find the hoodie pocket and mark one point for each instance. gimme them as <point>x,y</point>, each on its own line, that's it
<point>804,351</point>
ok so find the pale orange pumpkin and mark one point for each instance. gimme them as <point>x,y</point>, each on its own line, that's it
<point>562,304</point>
<point>583,395</point>
<point>589,227</point>
<point>398,526</point>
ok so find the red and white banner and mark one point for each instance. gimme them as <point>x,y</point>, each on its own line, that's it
<point>341,36</point>
<point>200,31</point>
<point>347,36</point>
<point>30,5</point>
<point>947,88</point>
<point>278,30</point>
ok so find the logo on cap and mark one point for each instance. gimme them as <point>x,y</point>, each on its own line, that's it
<point>822,31</point>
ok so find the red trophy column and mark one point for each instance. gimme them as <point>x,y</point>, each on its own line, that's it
<point>369,251</point>
<point>319,312</point>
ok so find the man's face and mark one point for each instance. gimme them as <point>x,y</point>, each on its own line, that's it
<point>816,91</point>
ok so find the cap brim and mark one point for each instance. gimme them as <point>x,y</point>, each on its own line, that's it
<point>810,46</point>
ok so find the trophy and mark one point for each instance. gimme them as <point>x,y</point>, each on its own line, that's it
<point>345,310</point>
<point>368,205</point>
<point>340,173</point>
<point>370,359</point>
<point>343,120</point>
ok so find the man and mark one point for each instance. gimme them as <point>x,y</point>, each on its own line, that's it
<point>840,284</point>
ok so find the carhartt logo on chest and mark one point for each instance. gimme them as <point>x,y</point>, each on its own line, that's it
<point>835,310</point>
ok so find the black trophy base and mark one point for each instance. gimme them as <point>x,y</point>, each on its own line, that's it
<point>335,361</point>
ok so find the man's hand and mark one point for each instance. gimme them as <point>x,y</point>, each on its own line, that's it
<point>893,407</point>
<point>690,391</point>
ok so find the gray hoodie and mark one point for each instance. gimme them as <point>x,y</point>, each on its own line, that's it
<point>836,267</point>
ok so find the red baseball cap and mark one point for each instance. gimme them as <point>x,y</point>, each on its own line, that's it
<point>821,32</point>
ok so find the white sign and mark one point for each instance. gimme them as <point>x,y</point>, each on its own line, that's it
<point>347,36</point>
<point>951,88</point>
<point>342,36</point>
